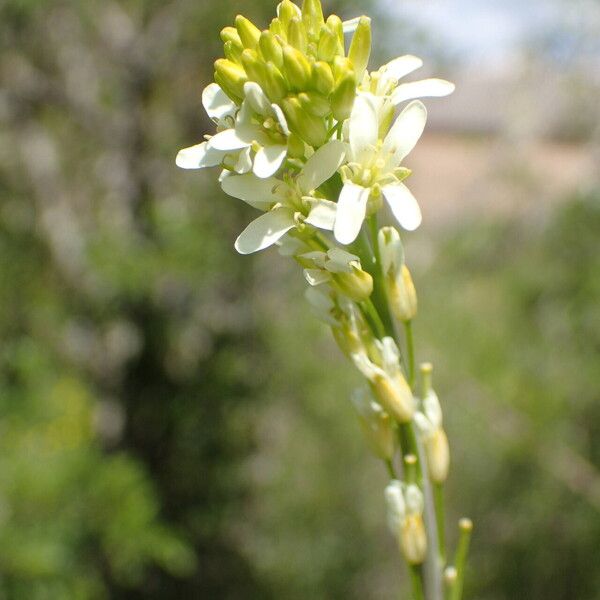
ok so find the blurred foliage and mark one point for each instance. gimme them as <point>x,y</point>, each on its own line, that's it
<point>174,424</point>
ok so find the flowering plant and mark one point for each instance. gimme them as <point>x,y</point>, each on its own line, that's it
<point>308,136</point>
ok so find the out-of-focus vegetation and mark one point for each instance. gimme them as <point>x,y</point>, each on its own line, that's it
<point>175,424</point>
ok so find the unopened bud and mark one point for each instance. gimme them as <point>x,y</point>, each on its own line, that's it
<point>376,424</point>
<point>231,77</point>
<point>357,285</point>
<point>297,68</point>
<point>230,34</point>
<point>437,451</point>
<point>277,28</point>
<point>296,147</point>
<point>360,48</point>
<point>274,82</point>
<point>395,396</point>
<point>270,48</point>
<point>342,99</point>
<point>341,67</point>
<point>249,33</point>
<point>322,78</point>
<point>233,52</point>
<point>315,104</point>
<point>413,539</point>
<point>329,46</point>
<point>403,296</point>
<point>336,26</point>
<point>312,15</point>
<point>286,11</point>
<point>254,67</point>
<point>297,35</point>
<point>311,129</point>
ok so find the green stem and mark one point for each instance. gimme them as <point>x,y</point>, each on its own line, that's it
<point>460,560</point>
<point>410,350</point>
<point>372,316</point>
<point>416,577</point>
<point>390,468</point>
<point>438,500</point>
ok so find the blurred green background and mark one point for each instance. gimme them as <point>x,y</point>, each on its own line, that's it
<point>174,423</point>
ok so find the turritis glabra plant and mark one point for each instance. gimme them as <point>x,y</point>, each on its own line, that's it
<point>312,139</point>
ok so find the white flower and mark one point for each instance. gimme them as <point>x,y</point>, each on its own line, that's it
<point>222,111</point>
<point>374,168</point>
<point>287,204</point>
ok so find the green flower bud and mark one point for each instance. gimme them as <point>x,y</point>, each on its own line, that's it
<point>357,285</point>
<point>254,67</point>
<point>360,48</point>
<point>276,28</point>
<point>329,46</point>
<point>336,26</point>
<point>403,296</point>
<point>312,15</point>
<point>297,35</point>
<point>248,32</point>
<point>231,77</point>
<point>413,539</point>
<point>311,129</point>
<point>315,104</point>
<point>275,85</point>
<point>297,68</point>
<point>230,34</point>
<point>233,52</point>
<point>295,147</point>
<point>322,78</point>
<point>341,67</point>
<point>270,48</point>
<point>287,10</point>
<point>342,99</point>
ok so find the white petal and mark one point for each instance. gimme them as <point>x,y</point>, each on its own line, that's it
<point>364,126</point>
<point>216,102</point>
<point>322,214</point>
<point>244,163</point>
<point>352,207</point>
<point>406,131</point>
<point>402,66</point>
<point>281,119</point>
<point>316,276</point>
<point>265,231</point>
<point>322,165</point>
<point>230,139</point>
<point>351,25</point>
<point>252,190</point>
<point>257,98</point>
<point>403,205</point>
<point>339,261</point>
<point>268,160</point>
<point>199,157</point>
<point>427,88</point>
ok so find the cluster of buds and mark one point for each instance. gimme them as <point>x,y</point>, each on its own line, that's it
<point>309,137</point>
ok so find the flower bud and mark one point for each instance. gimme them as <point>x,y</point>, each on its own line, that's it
<point>329,46</point>
<point>286,11</point>
<point>360,48</point>
<point>357,285</point>
<point>413,539</point>
<point>341,67</point>
<point>297,35</point>
<point>438,456</point>
<point>295,147</point>
<point>336,26</point>
<point>315,104</point>
<point>322,78</point>
<point>277,28</point>
<point>395,396</point>
<point>230,34</point>
<point>254,67</point>
<point>311,129</point>
<point>233,52</point>
<point>270,48</point>
<point>376,424</point>
<point>275,85</point>
<point>297,68</point>
<point>312,15</point>
<point>403,296</point>
<point>231,77</point>
<point>342,99</point>
<point>248,32</point>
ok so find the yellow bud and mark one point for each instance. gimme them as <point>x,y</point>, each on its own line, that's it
<point>357,285</point>
<point>438,456</point>
<point>275,85</point>
<point>360,48</point>
<point>322,78</point>
<point>315,104</point>
<point>233,52</point>
<point>348,340</point>
<point>297,68</point>
<point>230,34</point>
<point>287,11</point>
<point>254,67</point>
<point>231,77</point>
<point>297,35</point>
<point>312,15</point>
<point>278,29</point>
<point>295,148</point>
<point>270,48</point>
<point>336,26</point>
<point>395,396</point>
<point>329,46</point>
<point>342,67</point>
<point>413,539</point>
<point>342,99</point>
<point>403,295</point>
<point>248,32</point>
